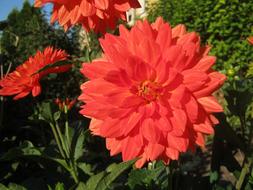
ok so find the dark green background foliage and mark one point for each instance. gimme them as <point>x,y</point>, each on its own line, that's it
<point>29,31</point>
<point>225,24</point>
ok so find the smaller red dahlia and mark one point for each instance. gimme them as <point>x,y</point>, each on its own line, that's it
<point>97,15</point>
<point>24,79</point>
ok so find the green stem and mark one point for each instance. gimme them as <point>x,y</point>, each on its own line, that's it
<point>244,172</point>
<point>73,172</point>
<point>65,154</point>
<point>57,140</point>
<point>170,176</point>
<point>67,127</point>
<point>62,140</point>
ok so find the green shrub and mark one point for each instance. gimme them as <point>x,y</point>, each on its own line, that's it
<point>224,24</point>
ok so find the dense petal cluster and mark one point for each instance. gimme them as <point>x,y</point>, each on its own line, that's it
<point>97,15</point>
<point>150,95</point>
<point>24,79</point>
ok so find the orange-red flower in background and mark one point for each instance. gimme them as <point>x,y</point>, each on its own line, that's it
<point>24,79</point>
<point>250,40</point>
<point>150,95</point>
<point>67,102</point>
<point>97,15</point>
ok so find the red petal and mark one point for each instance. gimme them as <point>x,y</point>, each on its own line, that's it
<point>154,151</point>
<point>130,149</point>
<point>36,90</point>
<point>205,63</point>
<point>200,140</point>
<point>216,81</point>
<point>194,79</point>
<point>130,122</point>
<point>178,31</point>
<point>102,4</point>
<point>95,126</point>
<point>179,143</point>
<point>203,128</point>
<point>149,130</point>
<point>172,153</point>
<point>191,107</point>
<point>113,145</point>
<point>111,128</point>
<point>164,36</point>
<point>210,104</point>
<point>164,124</point>
<point>178,121</point>
<point>87,9</point>
<point>63,15</point>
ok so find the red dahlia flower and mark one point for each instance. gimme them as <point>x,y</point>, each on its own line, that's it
<point>94,15</point>
<point>150,95</point>
<point>23,80</point>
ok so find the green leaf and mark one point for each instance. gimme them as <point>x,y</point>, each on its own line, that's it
<point>250,70</point>
<point>26,149</point>
<point>214,176</point>
<point>103,180</point>
<point>59,161</point>
<point>57,115</point>
<point>77,143</point>
<point>92,183</point>
<point>86,168</point>
<point>115,170</point>
<point>81,186</point>
<point>2,187</point>
<point>46,112</point>
<point>59,186</point>
<point>13,186</point>
<point>147,177</point>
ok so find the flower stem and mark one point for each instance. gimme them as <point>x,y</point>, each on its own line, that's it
<point>66,149</point>
<point>67,127</point>
<point>244,172</point>
<point>57,140</point>
<point>73,172</point>
<point>170,176</point>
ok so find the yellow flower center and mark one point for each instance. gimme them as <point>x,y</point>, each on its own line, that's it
<point>149,90</point>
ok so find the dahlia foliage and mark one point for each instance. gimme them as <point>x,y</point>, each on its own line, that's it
<point>150,95</point>
<point>97,15</point>
<point>25,79</point>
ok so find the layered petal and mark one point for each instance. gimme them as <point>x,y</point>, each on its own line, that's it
<point>25,79</point>
<point>97,15</point>
<point>151,96</point>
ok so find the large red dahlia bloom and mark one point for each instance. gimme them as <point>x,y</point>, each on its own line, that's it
<point>150,95</point>
<point>94,15</point>
<point>24,79</point>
